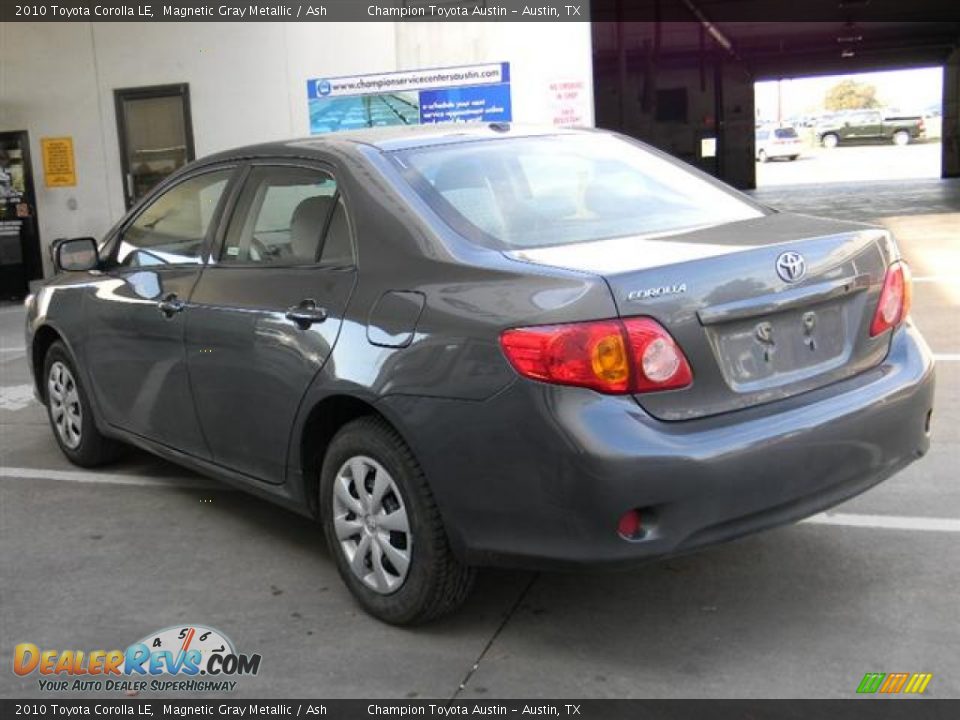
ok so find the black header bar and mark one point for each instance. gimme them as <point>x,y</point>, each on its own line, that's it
<point>481,10</point>
<point>928,709</point>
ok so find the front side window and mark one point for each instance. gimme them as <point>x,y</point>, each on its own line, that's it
<point>281,217</point>
<point>555,190</point>
<point>172,229</point>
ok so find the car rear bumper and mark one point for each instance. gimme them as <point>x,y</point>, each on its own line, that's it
<point>538,476</point>
<point>782,151</point>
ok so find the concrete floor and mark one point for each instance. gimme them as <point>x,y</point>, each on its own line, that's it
<point>98,560</point>
<point>854,163</point>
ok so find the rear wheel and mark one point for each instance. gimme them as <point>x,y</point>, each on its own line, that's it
<point>830,141</point>
<point>384,529</point>
<point>70,413</point>
<point>901,138</point>
<point>762,156</point>
<point>793,157</point>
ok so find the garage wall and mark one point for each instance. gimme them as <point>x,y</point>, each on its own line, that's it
<point>247,84</point>
<point>539,54</point>
<point>951,116</point>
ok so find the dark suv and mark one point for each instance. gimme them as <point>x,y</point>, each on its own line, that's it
<point>471,346</point>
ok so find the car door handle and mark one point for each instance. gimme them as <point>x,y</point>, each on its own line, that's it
<point>306,313</point>
<point>170,305</point>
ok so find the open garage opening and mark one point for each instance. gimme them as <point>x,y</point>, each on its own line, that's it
<point>859,127</point>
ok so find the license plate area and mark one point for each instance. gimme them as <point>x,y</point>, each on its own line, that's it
<point>781,348</point>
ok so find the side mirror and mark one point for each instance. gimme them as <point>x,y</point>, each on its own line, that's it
<point>75,254</point>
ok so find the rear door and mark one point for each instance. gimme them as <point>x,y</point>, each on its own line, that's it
<point>867,125</point>
<point>136,313</point>
<point>267,310</point>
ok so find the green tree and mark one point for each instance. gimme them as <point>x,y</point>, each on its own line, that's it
<point>851,95</point>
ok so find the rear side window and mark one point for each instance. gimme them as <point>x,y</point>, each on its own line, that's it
<point>517,193</point>
<point>337,245</point>
<point>172,229</point>
<point>785,133</point>
<point>281,217</point>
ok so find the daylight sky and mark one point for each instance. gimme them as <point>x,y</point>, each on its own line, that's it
<point>902,90</point>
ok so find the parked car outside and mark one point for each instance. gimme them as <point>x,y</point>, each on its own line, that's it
<point>869,126</point>
<point>778,143</point>
<point>470,346</point>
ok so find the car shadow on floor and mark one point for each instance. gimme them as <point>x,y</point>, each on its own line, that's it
<point>752,581</point>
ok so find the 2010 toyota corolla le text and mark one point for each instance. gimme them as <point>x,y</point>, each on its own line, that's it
<point>485,345</point>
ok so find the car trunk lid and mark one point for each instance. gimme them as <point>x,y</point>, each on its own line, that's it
<point>752,331</point>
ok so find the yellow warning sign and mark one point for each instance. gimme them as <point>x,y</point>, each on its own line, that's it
<point>59,169</point>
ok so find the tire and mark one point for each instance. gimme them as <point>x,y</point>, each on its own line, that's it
<point>432,582</point>
<point>70,413</point>
<point>830,141</point>
<point>762,156</point>
<point>792,158</point>
<point>901,138</point>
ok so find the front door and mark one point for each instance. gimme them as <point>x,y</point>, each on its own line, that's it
<point>20,258</point>
<point>156,135</point>
<point>136,317</point>
<point>266,312</point>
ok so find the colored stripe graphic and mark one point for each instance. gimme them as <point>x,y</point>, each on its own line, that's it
<point>918,683</point>
<point>871,682</point>
<point>893,683</point>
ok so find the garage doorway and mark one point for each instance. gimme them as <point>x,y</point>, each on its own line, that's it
<point>20,259</point>
<point>849,128</point>
<point>156,135</point>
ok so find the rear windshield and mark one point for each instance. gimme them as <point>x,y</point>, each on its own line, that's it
<point>555,190</point>
<point>785,133</point>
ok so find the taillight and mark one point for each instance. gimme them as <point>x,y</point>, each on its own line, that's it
<point>610,356</point>
<point>895,299</point>
<point>660,363</point>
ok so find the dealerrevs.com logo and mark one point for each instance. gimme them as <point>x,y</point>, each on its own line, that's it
<point>192,658</point>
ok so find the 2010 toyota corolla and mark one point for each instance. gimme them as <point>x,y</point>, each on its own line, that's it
<point>470,346</point>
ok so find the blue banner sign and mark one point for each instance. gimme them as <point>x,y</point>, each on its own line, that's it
<point>452,94</point>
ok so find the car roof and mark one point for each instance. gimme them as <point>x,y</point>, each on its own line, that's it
<point>397,137</point>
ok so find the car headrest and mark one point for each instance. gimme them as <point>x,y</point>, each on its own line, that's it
<point>459,175</point>
<point>307,224</point>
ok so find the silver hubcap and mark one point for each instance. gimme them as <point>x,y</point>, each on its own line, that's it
<point>65,404</point>
<point>371,524</point>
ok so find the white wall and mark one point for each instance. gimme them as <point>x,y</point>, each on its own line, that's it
<point>538,53</point>
<point>247,84</point>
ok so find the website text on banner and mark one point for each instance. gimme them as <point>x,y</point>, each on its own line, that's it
<point>411,97</point>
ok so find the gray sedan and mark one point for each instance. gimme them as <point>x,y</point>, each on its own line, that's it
<point>468,346</point>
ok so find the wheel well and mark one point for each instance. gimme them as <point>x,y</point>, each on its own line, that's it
<point>42,340</point>
<point>326,418</point>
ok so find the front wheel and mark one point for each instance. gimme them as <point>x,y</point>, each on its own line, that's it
<point>901,138</point>
<point>762,156</point>
<point>70,413</point>
<point>384,529</point>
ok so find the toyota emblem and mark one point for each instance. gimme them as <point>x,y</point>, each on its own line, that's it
<point>791,267</point>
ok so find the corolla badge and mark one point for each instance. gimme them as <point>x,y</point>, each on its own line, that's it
<point>791,267</point>
<point>655,292</point>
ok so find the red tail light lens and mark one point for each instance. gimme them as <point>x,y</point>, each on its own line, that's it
<point>661,364</point>
<point>609,356</point>
<point>895,299</point>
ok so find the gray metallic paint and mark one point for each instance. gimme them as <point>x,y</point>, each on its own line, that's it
<point>524,473</point>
